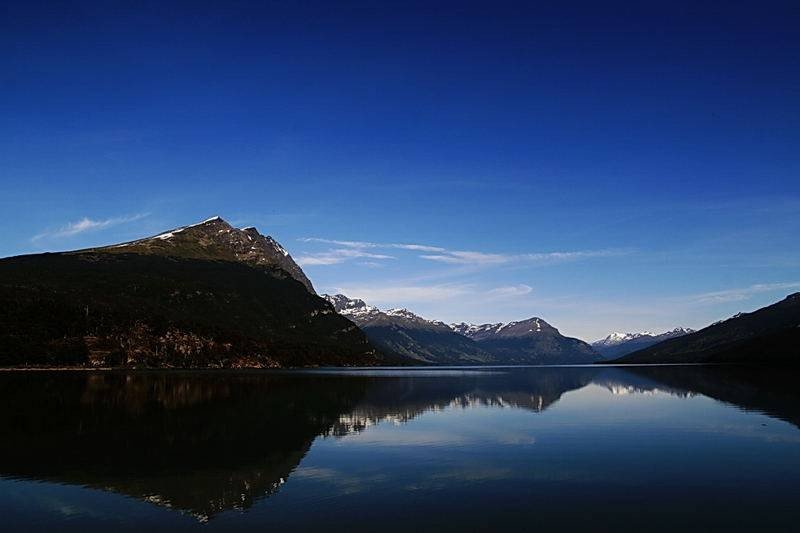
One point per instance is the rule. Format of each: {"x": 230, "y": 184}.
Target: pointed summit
{"x": 216, "y": 239}
{"x": 521, "y": 328}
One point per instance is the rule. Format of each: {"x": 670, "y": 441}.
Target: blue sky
{"x": 606, "y": 167}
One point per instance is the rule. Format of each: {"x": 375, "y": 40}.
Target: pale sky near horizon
{"x": 613, "y": 167}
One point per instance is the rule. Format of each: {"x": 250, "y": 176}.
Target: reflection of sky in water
{"x": 591, "y": 440}
{"x": 601, "y": 449}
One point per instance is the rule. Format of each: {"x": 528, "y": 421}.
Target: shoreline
{"x": 365, "y": 368}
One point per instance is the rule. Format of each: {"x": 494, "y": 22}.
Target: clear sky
{"x": 605, "y": 166}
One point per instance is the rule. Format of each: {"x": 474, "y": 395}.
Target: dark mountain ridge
{"x": 531, "y": 341}
{"x": 196, "y": 298}
{"x": 768, "y": 335}
{"x": 214, "y": 239}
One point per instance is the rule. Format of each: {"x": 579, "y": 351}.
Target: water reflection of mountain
{"x": 198, "y": 442}
{"x": 205, "y": 442}
{"x": 621, "y": 381}
{"x": 402, "y": 399}
{"x": 772, "y": 391}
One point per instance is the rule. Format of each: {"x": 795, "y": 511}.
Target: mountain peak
{"x": 517, "y": 328}
{"x": 405, "y": 334}
{"x": 216, "y": 239}
{"x": 348, "y": 306}
{"x": 361, "y": 313}
{"x": 766, "y": 335}
{"x": 616, "y": 338}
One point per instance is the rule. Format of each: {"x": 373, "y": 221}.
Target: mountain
{"x": 768, "y": 335}
{"x": 619, "y": 344}
{"x": 215, "y": 239}
{"x": 206, "y": 295}
{"x": 531, "y": 341}
{"x": 407, "y": 337}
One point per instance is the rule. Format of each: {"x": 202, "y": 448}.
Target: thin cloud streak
{"x": 467, "y": 257}
{"x": 87, "y": 224}
{"x": 364, "y": 244}
{"x": 479, "y": 258}
{"x": 394, "y": 295}
{"x": 337, "y": 256}
{"x": 742, "y": 293}
{"x": 511, "y": 291}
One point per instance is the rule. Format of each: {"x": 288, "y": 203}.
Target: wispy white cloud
{"x": 371, "y": 264}
{"x": 510, "y": 291}
{"x": 85, "y": 225}
{"x": 474, "y": 258}
{"x": 558, "y": 257}
{"x": 393, "y": 295}
{"x": 337, "y": 256}
{"x": 364, "y": 244}
{"x": 742, "y": 293}
{"x": 403, "y": 294}
{"x": 468, "y": 258}
{"x": 418, "y": 247}
{"x": 542, "y": 258}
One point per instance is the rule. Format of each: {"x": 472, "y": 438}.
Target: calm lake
{"x": 601, "y": 448}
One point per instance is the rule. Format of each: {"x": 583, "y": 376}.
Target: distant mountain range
{"x": 768, "y": 335}
{"x": 619, "y": 344}
{"x": 530, "y": 341}
{"x": 205, "y": 295}
{"x": 405, "y": 335}
{"x": 409, "y": 338}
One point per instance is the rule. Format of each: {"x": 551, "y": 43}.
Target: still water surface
{"x": 605, "y": 448}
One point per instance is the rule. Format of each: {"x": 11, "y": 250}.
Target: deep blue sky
{"x": 607, "y": 166}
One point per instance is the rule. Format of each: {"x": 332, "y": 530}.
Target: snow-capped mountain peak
{"x": 470, "y": 330}
{"x": 403, "y": 312}
{"x": 517, "y": 328}
{"x": 351, "y": 307}
{"x": 361, "y": 313}
{"x": 616, "y": 338}
{"x": 216, "y": 239}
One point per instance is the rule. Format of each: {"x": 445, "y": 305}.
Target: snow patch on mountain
{"x": 616, "y": 338}
{"x": 358, "y": 311}
{"x": 214, "y": 238}
{"x": 517, "y": 328}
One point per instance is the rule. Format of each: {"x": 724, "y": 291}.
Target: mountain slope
{"x": 531, "y": 341}
{"x": 214, "y": 239}
{"x": 768, "y": 335}
{"x": 406, "y": 336}
{"x": 196, "y": 301}
{"x": 619, "y": 344}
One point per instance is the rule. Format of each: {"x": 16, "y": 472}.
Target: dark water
{"x": 665, "y": 448}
